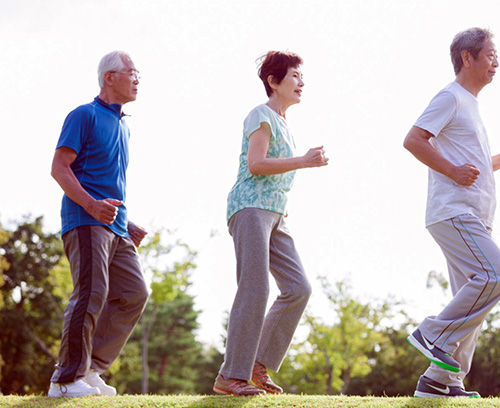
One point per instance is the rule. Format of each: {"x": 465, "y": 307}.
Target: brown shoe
{"x": 233, "y": 386}
{"x": 261, "y": 379}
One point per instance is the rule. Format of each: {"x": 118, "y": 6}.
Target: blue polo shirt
{"x": 99, "y": 135}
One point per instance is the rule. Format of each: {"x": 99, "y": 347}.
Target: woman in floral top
{"x": 255, "y": 212}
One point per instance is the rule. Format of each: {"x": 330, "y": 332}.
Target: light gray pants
{"x": 473, "y": 260}
{"x": 109, "y": 295}
{"x": 262, "y": 244}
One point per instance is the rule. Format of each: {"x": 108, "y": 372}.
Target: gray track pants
{"x": 109, "y": 295}
{"x": 473, "y": 264}
{"x": 262, "y": 244}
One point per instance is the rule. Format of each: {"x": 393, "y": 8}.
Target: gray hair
{"x": 471, "y": 40}
{"x": 110, "y": 62}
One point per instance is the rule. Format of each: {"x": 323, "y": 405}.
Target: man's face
{"x": 126, "y": 82}
{"x": 483, "y": 67}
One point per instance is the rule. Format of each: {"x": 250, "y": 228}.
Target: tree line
{"x": 360, "y": 350}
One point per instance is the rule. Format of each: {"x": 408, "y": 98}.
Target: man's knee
{"x": 140, "y": 296}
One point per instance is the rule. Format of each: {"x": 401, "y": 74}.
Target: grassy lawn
{"x": 272, "y": 401}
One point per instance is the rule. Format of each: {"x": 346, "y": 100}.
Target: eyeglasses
{"x": 132, "y": 74}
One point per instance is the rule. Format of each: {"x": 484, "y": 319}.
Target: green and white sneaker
{"x": 427, "y": 388}
{"x": 434, "y": 354}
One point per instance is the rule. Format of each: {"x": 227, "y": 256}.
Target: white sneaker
{"x": 75, "y": 389}
{"x": 94, "y": 380}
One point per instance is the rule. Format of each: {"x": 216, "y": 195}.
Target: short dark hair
{"x": 277, "y": 63}
{"x": 471, "y": 40}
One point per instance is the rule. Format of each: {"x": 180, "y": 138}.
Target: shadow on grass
{"x": 32, "y": 401}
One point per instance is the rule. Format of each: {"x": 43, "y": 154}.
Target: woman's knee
{"x": 305, "y": 290}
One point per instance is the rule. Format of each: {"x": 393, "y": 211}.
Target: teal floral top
{"x": 267, "y": 192}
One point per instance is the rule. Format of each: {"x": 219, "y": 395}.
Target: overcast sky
{"x": 371, "y": 67}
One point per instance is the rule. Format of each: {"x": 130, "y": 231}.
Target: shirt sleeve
{"x": 75, "y": 129}
{"x": 439, "y": 113}
{"x": 254, "y": 120}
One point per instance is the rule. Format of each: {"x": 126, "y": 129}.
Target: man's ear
{"x": 109, "y": 78}
{"x": 466, "y": 58}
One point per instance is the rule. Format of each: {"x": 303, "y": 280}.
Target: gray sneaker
{"x": 434, "y": 354}
{"x": 75, "y": 389}
{"x": 427, "y": 388}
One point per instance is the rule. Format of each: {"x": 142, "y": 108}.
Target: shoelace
{"x": 239, "y": 385}
{"x": 261, "y": 377}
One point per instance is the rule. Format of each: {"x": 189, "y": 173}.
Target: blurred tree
{"x": 207, "y": 368}
{"x": 32, "y": 310}
{"x": 35, "y": 284}
{"x": 172, "y": 360}
{"x": 173, "y": 350}
{"x": 167, "y": 266}
{"x": 484, "y": 376}
{"x": 396, "y": 366}
{"x": 335, "y": 353}
{"x": 4, "y": 265}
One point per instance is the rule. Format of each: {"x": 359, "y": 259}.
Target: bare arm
{"x": 496, "y": 162}
{"x": 417, "y": 143}
{"x": 258, "y": 163}
{"x": 102, "y": 210}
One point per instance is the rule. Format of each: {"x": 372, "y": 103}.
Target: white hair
{"x": 110, "y": 62}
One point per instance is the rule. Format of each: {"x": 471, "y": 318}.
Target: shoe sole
{"x": 419, "y": 394}
{"x": 220, "y": 391}
{"x": 415, "y": 343}
{"x": 79, "y": 395}
{"x": 268, "y": 390}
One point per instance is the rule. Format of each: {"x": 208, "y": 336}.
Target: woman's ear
{"x": 271, "y": 81}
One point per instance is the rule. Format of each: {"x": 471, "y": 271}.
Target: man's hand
{"x": 136, "y": 233}
{"x": 417, "y": 143}
{"x": 104, "y": 211}
{"x": 465, "y": 175}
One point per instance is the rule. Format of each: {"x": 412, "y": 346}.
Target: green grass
{"x": 271, "y": 401}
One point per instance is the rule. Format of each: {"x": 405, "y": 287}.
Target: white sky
{"x": 371, "y": 67}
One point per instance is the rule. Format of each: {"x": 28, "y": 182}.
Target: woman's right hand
{"x": 315, "y": 157}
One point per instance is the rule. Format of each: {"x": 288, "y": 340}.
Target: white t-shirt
{"x": 460, "y": 137}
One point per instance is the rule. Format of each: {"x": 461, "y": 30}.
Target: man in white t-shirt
{"x": 449, "y": 137}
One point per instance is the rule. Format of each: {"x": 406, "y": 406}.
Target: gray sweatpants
{"x": 109, "y": 295}
{"x": 473, "y": 260}
{"x": 262, "y": 244}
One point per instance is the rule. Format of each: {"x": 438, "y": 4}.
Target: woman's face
{"x": 290, "y": 88}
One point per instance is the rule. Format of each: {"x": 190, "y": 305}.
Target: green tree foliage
{"x": 177, "y": 362}
{"x": 396, "y": 366}
{"x": 172, "y": 360}
{"x": 339, "y": 351}
{"x": 36, "y": 285}
{"x": 4, "y": 265}
{"x": 31, "y": 315}
{"x": 169, "y": 277}
{"x": 173, "y": 351}
{"x": 485, "y": 371}
{"x": 208, "y": 366}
